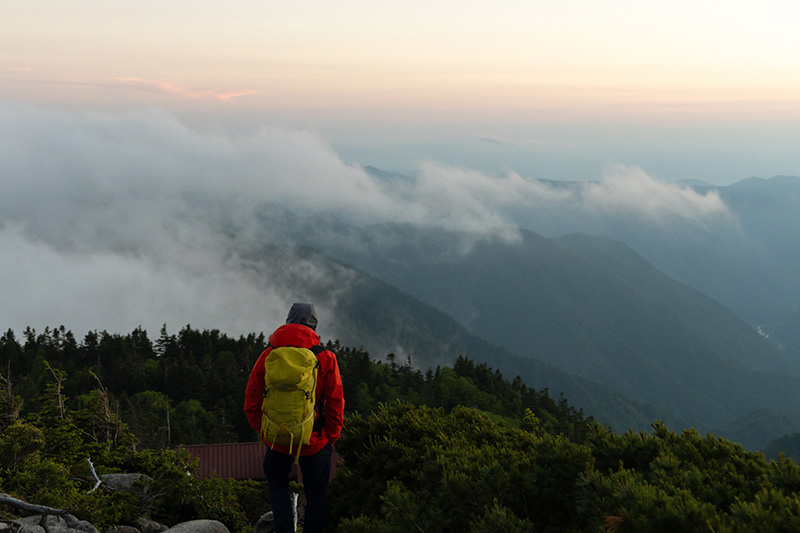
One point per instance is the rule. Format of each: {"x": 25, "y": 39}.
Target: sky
{"x": 130, "y": 132}
{"x": 555, "y": 90}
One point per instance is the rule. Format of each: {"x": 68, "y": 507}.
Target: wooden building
{"x": 239, "y": 460}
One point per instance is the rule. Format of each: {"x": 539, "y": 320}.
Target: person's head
{"x": 304, "y": 314}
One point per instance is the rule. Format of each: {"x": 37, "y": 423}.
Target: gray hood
{"x": 304, "y": 314}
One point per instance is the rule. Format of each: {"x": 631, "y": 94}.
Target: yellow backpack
{"x": 289, "y": 396}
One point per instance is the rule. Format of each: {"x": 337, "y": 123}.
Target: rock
{"x": 84, "y": 526}
{"x": 199, "y": 526}
{"x": 33, "y": 524}
{"x": 122, "y": 529}
{"x": 55, "y": 524}
{"x": 122, "y": 482}
{"x": 25, "y": 528}
{"x": 265, "y": 524}
{"x": 148, "y": 526}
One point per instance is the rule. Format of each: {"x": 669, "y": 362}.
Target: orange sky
{"x": 318, "y": 64}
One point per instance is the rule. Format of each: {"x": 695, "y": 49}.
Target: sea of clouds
{"x": 114, "y": 221}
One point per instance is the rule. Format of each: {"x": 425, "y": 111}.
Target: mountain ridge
{"x": 707, "y": 373}
{"x": 365, "y": 311}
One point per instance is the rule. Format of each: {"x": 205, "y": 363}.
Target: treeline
{"x": 177, "y": 389}
{"x": 493, "y": 456}
{"x": 368, "y": 383}
{"x": 421, "y": 469}
{"x": 187, "y": 388}
{"x": 125, "y": 402}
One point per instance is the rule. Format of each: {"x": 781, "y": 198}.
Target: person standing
{"x": 315, "y": 455}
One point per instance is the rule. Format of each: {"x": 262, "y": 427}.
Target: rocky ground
{"x": 43, "y": 519}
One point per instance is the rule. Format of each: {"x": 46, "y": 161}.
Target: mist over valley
{"x": 639, "y": 299}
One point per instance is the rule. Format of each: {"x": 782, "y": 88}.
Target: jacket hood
{"x": 304, "y": 314}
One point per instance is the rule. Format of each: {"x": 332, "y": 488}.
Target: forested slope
{"x": 188, "y": 388}
{"x": 456, "y": 448}
{"x": 588, "y": 306}
{"x": 365, "y": 311}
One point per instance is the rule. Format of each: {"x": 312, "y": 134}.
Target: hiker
{"x": 314, "y": 455}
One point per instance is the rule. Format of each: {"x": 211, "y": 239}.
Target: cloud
{"x": 115, "y": 221}
{"x": 108, "y": 290}
{"x": 192, "y": 93}
{"x": 627, "y": 189}
{"x": 491, "y": 139}
{"x": 459, "y": 198}
{"x": 467, "y": 200}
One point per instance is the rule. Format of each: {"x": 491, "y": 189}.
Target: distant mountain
{"x": 749, "y": 266}
{"x": 589, "y": 306}
{"x": 757, "y": 430}
{"x": 787, "y": 334}
{"x": 748, "y": 263}
{"x": 765, "y": 287}
{"x": 788, "y": 445}
{"x": 363, "y": 311}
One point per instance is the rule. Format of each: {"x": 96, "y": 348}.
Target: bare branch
{"x": 30, "y": 507}
{"x": 91, "y": 466}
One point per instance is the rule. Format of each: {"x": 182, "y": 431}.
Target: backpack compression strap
{"x": 316, "y": 350}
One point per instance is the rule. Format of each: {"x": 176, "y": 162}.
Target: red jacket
{"x": 329, "y": 387}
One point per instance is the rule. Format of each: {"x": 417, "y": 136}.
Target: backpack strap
{"x": 319, "y": 422}
{"x": 318, "y": 349}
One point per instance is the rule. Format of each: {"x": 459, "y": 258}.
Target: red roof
{"x": 238, "y": 460}
{"x": 241, "y": 460}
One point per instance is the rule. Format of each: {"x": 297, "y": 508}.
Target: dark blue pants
{"x": 316, "y": 470}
